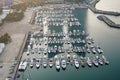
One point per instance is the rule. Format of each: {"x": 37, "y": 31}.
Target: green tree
{"x": 5, "y": 38}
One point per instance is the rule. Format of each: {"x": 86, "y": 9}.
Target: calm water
{"x": 108, "y": 38}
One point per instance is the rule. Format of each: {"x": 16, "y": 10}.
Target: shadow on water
{"x": 58, "y": 70}
{"x": 63, "y": 69}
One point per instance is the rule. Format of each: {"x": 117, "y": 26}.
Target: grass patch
{"x": 5, "y": 38}
{"x": 19, "y": 7}
{"x": 15, "y": 16}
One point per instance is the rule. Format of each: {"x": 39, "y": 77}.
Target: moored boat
{"x": 50, "y": 62}
{"x": 105, "y": 60}
{"x": 95, "y": 62}
{"x": 57, "y": 64}
{"x": 89, "y": 62}
{"x": 63, "y": 63}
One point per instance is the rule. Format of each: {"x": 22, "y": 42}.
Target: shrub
{"x": 5, "y": 38}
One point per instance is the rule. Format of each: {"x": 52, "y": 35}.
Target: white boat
{"x": 51, "y": 62}
{"x": 74, "y": 57}
{"x": 88, "y": 50}
{"x": 89, "y": 62}
{"x": 63, "y": 63}
{"x": 31, "y": 63}
{"x": 94, "y": 51}
{"x": 105, "y": 60}
{"x": 100, "y": 61}
{"x": 82, "y": 63}
{"x": 68, "y": 58}
{"x": 44, "y": 61}
{"x": 57, "y": 64}
{"x": 22, "y": 66}
{"x": 99, "y": 50}
{"x": 76, "y": 63}
{"x": 37, "y": 63}
{"x": 55, "y": 57}
{"x": 62, "y": 56}
{"x": 27, "y": 52}
{"x": 95, "y": 62}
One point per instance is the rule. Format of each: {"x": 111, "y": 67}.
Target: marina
{"x": 50, "y": 48}
{"x": 61, "y": 40}
{"x": 61, "y": 50}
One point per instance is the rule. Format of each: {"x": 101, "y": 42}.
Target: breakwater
{"x": 92, "y": 5}
{"x": 108, "y": 21}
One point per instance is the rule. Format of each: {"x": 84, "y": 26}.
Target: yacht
{"x": 37, "y": 63}
{"x": 31, "y": 63}
{"x": 27, "y": 52}
{"x": 94, "y": 51}
{"x": 99, "y": 50}
{"x": 57, "y": 64}
{"x": 62, "y": 56}
{"x": 63, "y": 63}
{"x": 89, "y": 62}
{"x": 74, "y": 57}
{"x": 22, "y": 66}
{"x": 76, "y": 63}
{"x": 68, "y": 58}
{"x": 50, "y": 62}
{"x": 45, "y": 61}
{"x": 55, "y": 57}
{"x": 95, "y": 62}
{"x": 105, "y": 60}
{"x": 100, "y": 61}
{"x": 88, "y": 50}
{"x": 82, "y": 63}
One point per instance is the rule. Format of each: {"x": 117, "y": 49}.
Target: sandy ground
{"x": 9, "y": 54}
{"x": 17, "y": 31}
